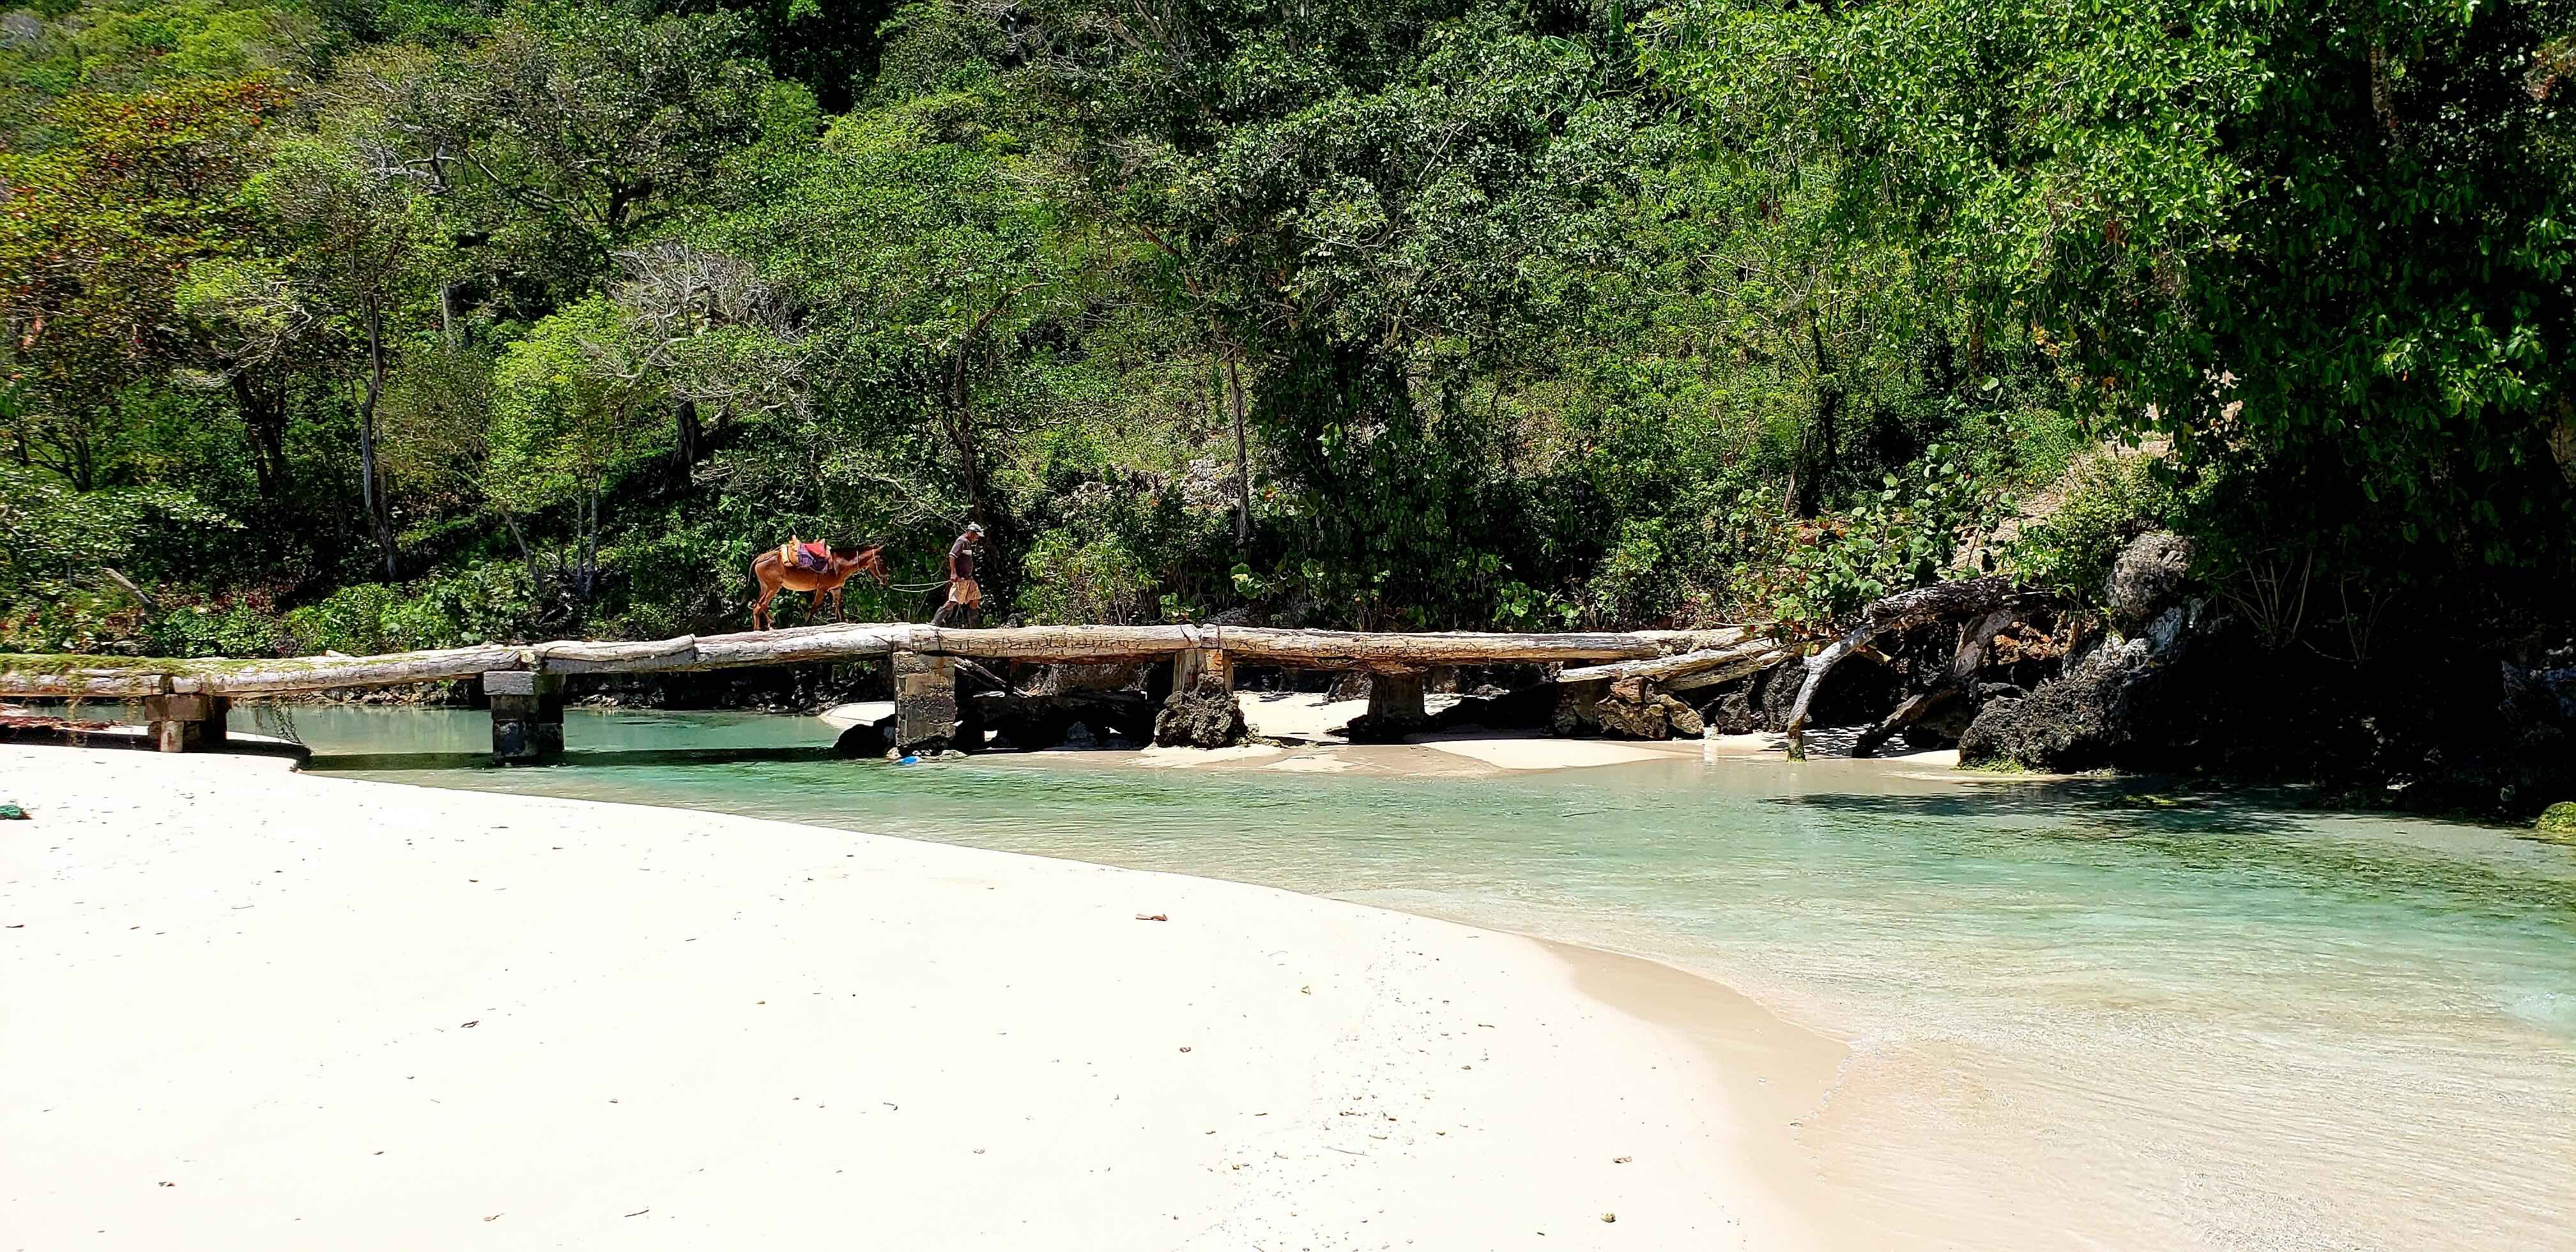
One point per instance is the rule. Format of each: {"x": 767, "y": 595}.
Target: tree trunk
{"x": 960, "y": 419}
{"x": 1816, "y": 445}
{"x": 692, "y": 437}
{"x": 371, "y": 486}
{"x": 526, "y": 557}
{"x": 1894, "y": 613}
{"x": 264, "y": 420}
{"x": 1242, "y": 459}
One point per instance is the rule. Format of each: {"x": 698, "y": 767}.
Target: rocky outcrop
{"x": 1029, "y": 723}
{"x": 2087, "y": 717}
{"x": 1628, "y": 708}
{"x": 2147, "y": 578}
{"x": 1206, "y": 715}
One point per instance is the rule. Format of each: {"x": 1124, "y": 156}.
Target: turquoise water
{"x": 2079, "y": 1017}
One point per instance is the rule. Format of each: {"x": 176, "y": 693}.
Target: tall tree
{"x": 361, "y": 253}
{"x": 2320, "y": 245}
{"x": 570, "y": 133}
{"x": 99, "y": 231}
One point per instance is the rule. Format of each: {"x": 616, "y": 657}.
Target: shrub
{"x": 1072, "y": 581}
{"x": 2103, "y": 502}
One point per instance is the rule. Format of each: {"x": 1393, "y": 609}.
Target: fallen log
{"x": 1896, "y": 612}
{"x": 1704, "y": 668}
{"x": 1402, "y": 653}
{"x": 1954, "y": 683}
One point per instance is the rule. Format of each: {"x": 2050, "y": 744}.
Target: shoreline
{"x": 1678, "y": 1066}
{"x": 1294, "y": 733}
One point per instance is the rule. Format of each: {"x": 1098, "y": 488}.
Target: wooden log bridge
{"x": 186, "y": 699}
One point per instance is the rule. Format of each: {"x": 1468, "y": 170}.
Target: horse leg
{"x": 839, "y": 613}
{"x": 815, "y": 614}
{"x": 760, "y": 607}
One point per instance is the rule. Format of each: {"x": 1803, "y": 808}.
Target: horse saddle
{"x": 811, "y": 555}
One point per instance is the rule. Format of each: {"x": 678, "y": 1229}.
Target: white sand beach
{"x": 251, "y": 1008}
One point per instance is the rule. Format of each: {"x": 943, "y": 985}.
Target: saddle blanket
{"x": 813, "y": 555}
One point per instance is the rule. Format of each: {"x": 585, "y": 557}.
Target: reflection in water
{"x": 2080, "y": 1012}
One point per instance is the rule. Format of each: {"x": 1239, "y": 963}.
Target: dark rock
{"x": 1206, "y": 716}
{"x": 867, "y": 739}
{"x": 2108, "y": 702}
{"x": 1387, "y": 727}
{"x": 1495, "y": 709}
{"x": 1030, "y": 723}
{"x": 1352, "y": 685}
{"x": 1630, "y": 708}
{"x": 1731, "y": 712}
{"x": 2147, "y": 578}
{"x": 1858, "y": 691}
{"x": 1775, "y": 694}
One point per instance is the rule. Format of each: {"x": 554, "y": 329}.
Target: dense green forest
{"x": 381, "y": 324}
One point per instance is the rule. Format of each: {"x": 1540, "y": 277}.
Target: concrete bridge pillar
{"x": 186, "y": 723}
{"x": 1396, "y": 695}
{"x": 527, "y": 716}
{"x": 925, "y": 704}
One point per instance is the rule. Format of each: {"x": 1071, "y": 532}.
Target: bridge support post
{"x": 186, "y": 723}
{"x": 925, "y": 704}
{"x": 1396, "y": 695}
{"x": 1201, "y": 711}
{"x": 1193, "y": 666}
{"x": 527, "y": 716}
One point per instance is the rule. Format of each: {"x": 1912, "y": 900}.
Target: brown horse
{"x": 775, "y": 575}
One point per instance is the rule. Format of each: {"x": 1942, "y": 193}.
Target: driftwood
{"x": 1953, "y": 684}
{"x": 1896, "y": 612}
{"x": 1706, "y": 667}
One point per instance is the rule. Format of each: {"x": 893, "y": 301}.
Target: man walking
{"x": 965, "y": 606}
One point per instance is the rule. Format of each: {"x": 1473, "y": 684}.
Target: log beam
{"x": 79, "y": 677}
